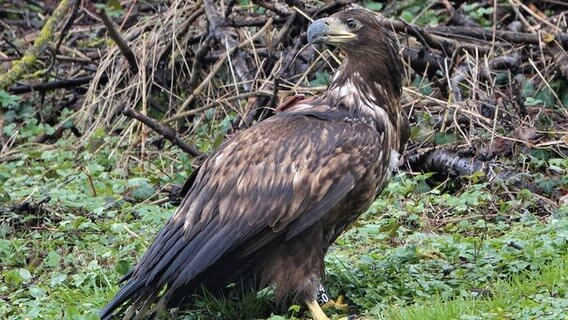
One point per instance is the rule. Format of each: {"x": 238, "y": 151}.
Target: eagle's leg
{"x": 317, "y": 312}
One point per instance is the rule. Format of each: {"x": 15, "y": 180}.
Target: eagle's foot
{"x": 326, "y": 302}
{"x": 338, "y": 304}
{"x": 318, "y": 314}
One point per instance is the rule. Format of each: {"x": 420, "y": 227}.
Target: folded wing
{"x": 278, "y": 177}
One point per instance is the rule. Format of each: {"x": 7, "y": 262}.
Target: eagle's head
{"x": 354, "y": 31}
{"x": 370, "y": 78}
{"x": 369, "y": 47}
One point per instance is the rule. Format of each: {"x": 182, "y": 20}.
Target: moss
{"x": 22, "y": 66}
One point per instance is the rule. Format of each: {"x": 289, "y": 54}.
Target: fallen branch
{"x": 218, "y": 30}
{"x": 26, "y": 207}
{"x": 198, "y": 60}
{"x": 425, "y": 62}
{"x": 217, "y": 66}
{"x": 487, "y": 34}
{"x": 59, "y": 42}
{"x": 215, "y": 103}
{"x": 272, "y": 6}
{"x": 284, "y": 31}
{"x": 20, "y": 67}
{"x": 257, "y": 103}
{"x": 458, "y": 18}
{"x": 219, "y": 33}
{"x": 52, "y": 85}
{"x": 451, "y": 164}
{"x": 67, "y": 27}
{"x": 122, "y": 45}
{"x": 214, "y": 18}
{"x": 422, "y": 35}
{"x": 167, "y": 132}
{"x": 254, "y": 22}
{"x": 329, "y": 7}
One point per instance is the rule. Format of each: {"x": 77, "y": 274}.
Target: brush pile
{"x": 486, "y": 82}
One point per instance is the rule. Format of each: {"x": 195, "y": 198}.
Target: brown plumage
{"x": 264, "y": 208}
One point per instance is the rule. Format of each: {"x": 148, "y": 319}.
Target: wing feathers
{"x": 331, "y": 198}
{"x": 282, "y": 175}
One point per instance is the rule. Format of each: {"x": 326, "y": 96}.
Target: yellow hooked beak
{"x": 330, "y": 31}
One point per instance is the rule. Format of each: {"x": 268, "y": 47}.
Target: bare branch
{"x": 117, "y": 38}
{"x": 166, "y": 132}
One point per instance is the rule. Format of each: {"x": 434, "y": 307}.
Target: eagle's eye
{"x": 352, "y": 24}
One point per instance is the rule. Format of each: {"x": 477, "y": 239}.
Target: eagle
{"x": 264, "y": 208}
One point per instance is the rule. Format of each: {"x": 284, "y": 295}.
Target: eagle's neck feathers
{"x": 367, "y": 94}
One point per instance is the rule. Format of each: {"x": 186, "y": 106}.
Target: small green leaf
{"x": 36, "y": 291}
{"x": 540, "y": 154}
{"x": 143, "y": 193}
{"x": 53, "y": 259}
{"x": 123, "y": 266}
{"x": 527, "y": 88}
{"x": 547, "y": 185}
{"x": 321, "y": 79}
{"x": 57, "y": 279}
{"x": 546, "y": 96}
{"x": 218, "y": 141}
{"x": 294, "y": 308}
{"x": 8, "y": 100}
{"x": 114, "y": 4}
{"x": 24, "y": 274}
{"x": 407, "y": 16}
{"x": 373, "y": 5}
{"x": 12, "y": 277}
{"x": 444, "y": 138}
{"x": 502, "y": 78}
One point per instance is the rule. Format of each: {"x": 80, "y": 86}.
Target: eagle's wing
{"x": 280, "y": 176}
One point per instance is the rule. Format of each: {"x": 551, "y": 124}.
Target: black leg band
{"x": 323, "y": 296}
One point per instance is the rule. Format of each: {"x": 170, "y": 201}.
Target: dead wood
{"x": 217, "y": 66}
{"x": 330, "y": 7}
{"x": 560, "y": 57}
{"x": 167, "y": 132}
{"x": 256, "y": 104}
{"x": 62, "y": 35}
{"x": 487, "y": 35}
{"x": 422, "y": 35}
{"x": 117, "y": 38}
{"x": 228, "y": 39}
{"x": 51, "y": 85}
{"x": 455, "y": 166}
{"x": 198, "y": 55}
{"x": 273, "y": 6}
{"x": 26, "y": 207}
{"x": 23, "y": 66}
{"x": 425, "y": 62}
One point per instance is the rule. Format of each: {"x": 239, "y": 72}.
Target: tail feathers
{"x": 124, "y": 294}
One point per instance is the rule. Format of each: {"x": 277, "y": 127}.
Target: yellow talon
{"x": 339, "y": 304}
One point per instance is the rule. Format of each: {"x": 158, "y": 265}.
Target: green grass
{"x": 418, "y": 253}
{"x": 528, "y": 295}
